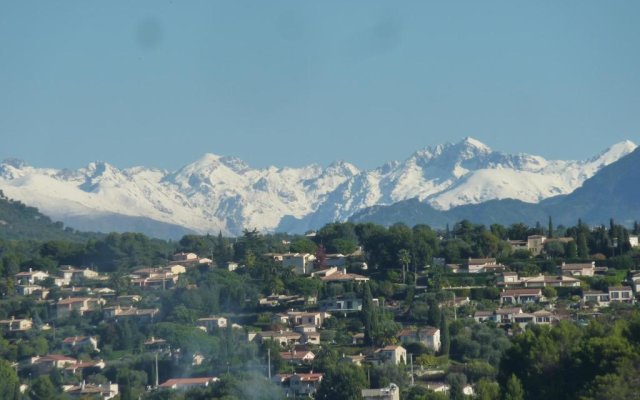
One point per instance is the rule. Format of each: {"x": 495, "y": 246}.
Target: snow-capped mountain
{"x": 224, "y": 193}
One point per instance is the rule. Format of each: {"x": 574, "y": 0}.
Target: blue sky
{"x": 159, "y": 83}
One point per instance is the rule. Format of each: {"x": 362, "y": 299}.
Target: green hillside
{"x": 19, "y": 222}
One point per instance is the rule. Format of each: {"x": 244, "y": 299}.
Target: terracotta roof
{"x": 75, "y": 339}
{"x": 511, "y": 310}
{"x": 72, "y": 300}
{"x": 311, "y": 377}
{"x": 296, "y": 355}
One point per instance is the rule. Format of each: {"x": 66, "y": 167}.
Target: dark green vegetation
{"x": 587, "y": 356}
{"x": 18, "y": 221}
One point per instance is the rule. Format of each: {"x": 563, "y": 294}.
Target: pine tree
{"x": 514, "y": 390}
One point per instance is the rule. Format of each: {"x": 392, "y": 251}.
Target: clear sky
{"x": 159, "y": 83}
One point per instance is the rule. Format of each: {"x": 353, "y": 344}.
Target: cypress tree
{"x": 445, "y": 339}
{"x": 368, "y": 315}
{"x": 583, "y": 249}
{"x": 550, "y": 235}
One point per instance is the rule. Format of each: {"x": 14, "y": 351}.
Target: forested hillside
{"x": 19, "y": 221}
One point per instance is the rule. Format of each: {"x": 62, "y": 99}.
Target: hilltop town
{"x": 354, "y": 311}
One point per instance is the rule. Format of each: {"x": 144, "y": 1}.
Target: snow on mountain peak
{"x": 15, "y": 163}
{"x": 613, "y": 153}
{"x": 471, "y": 142}
{"x": 343, "y": 167}
{"x": 224, "y": 193}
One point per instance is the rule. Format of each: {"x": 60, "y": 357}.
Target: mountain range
{"x": 217, "y": 193}
{"x": 613, "y": 192}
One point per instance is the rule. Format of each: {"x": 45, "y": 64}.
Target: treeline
{"x": 566, "y": 362}
{"x": 382, "y": 247}
{"x": 21, "y": 222}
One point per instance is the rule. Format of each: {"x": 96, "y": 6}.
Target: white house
{"x": 392, "y": 392}
{"x": 428, "y": 336}
{"x": 302, "y": 263}
{"x": 395, "y": 354}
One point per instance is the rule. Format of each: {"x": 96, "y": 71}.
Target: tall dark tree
{"x": 321, "y": 257}
{"x": 9, "y": 384}
{"x": 222, "y": 252}
{"x": 369, "y": 315}
{"x": 571, "y": 250}
{"x": 445, "y": 337}
{"x": 550, "y": 229}
{"x": 583, "y": 248}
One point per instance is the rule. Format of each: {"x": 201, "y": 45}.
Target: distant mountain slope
{"x": 225, "y": 194}
{"x": 18, "y": 221}
{"x": 613, "y": 192}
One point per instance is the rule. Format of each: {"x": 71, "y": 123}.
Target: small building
{"x": 297, "y": 357}
{"x": 283, "y": 337}
{"x": 31, "y": 276}
{"x": 50, "y": 361}
{"x": 79, "y": 342}
{"x": 392, "y": 392}
{"x": 71, "y": 274}
{"x": 508, "y": 277}
{"x": 578, "y": 269}
{"x": 302, "y": 263}
{"x": 521, "y": 296}
{"x": 394, "y": 354}
{"x": 428, "y": 336}
{"x": 518, "y": 245}
{"x": 32, "y": 290}
{"x": 187, "y": 383}
{"x": 535, "y": 244}
{"x": 305, "y": 385}
{"x": 344, "y": 277}
{"x": 311, "y": 338}
{"x": 480, "y": 265}
{"x": 212, "y": 323}
{"x": 623, "y": 294}
{"x": 16, "y": 324}
{"x": 154, "y": 343}
{"x": 64, "y": 307}
{"x": 91, "y": 391}
{"x": 506, "y": 315}
{"x": 596, "y": 298}
{"x": 482, "y": 316}
{"x": 541, "y": 281}
{"x": 341, "y": 304}
{"x": 140, "y": 314}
